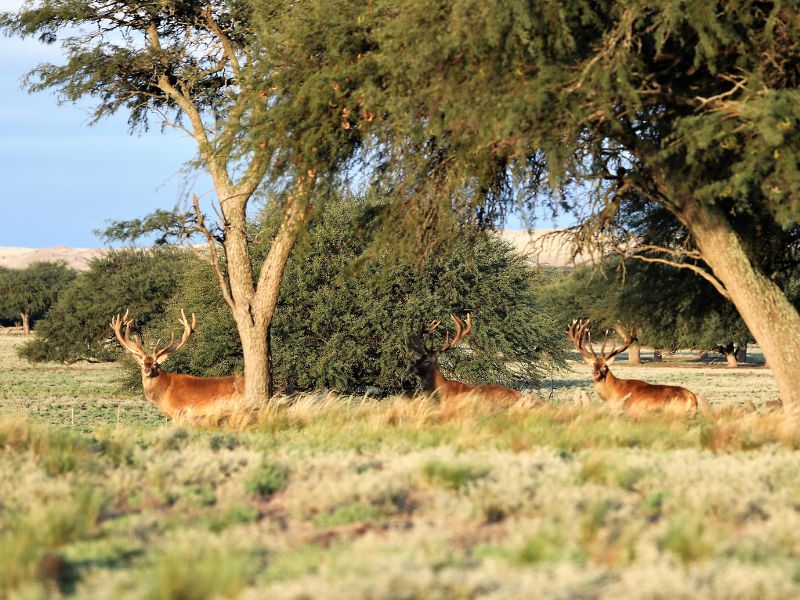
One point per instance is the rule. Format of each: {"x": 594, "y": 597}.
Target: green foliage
{"x": 346, "y": 309}
{"x": 33, "y": 290}
{"x": 268, "y": 479}
{"x": 346, "y": 514}
{"x": 584, "y": 107}
{"x": 453, "y": 476}
{"x": 662, "y": 306}
{"x": 77, "y": 327}
{"x": 124, "y": 72}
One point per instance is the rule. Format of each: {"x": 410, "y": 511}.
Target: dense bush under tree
{"x": 346, "y": 310}
{"x": 661, "y": 306}
{"x": 27, "y": 294}
{"x": 77, "y": 326}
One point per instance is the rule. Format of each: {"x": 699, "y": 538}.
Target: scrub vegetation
{"x": 326, "y": 496}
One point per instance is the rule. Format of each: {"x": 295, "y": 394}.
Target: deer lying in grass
{"x": 426, "y": 367}
{"x": 174, "y": 393}
{"x": 631, "y": 393}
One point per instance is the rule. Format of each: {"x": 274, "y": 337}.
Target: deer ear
{"x": 588, "y": 361}
{"x": 610, "y": 361}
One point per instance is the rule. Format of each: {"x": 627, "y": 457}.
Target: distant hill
{"x": 543, "y": 245}
{"x": 19, "y": 258}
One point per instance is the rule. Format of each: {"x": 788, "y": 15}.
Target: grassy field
{"x": 349, "y": 498}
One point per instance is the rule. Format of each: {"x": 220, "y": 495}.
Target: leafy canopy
{"x": 32, "y": 290}
{"x": 77, "y": 326}
{"x": 345, "y": 311}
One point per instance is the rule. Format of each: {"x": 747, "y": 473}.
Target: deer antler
{"x": 577, "y": 332}
{"x": 416, "y": 341}
{"x": 582, "y": 338}
{"x": 172, "y": 346}
{"x": 614, "y": 350}
{"x": 133, "y": 346}
{"x": 462, "y": 330}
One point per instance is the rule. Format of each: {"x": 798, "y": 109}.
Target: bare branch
{"x": 738, "y": 83}
{"x": 213, "y": 253}
{"x": 677, "y": 252}
{"x": 227, "y": 45}
{"x": 199, "y": 133}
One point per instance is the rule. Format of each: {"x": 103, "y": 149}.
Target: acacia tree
{"x": 346, "y": 311}
{"x": 693, "y": 106}
{"x": 187, "y": 64}
{"x": 30, "y": 292}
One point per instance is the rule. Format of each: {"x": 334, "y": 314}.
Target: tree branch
{"x": 213, "y": 254}
{"x": 227, "y": 45}
{"x": 218, "y": 173}
{"x": 682, "y": 265}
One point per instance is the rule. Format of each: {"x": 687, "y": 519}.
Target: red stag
{"x": 174, "y": 393}
{"x": 426, "y": 367}
{"x": 631, "y": 392}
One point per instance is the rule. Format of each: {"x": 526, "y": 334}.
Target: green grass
{"x": 327, "y": 498}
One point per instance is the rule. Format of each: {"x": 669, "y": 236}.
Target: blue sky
{"x": 60, "y": 179}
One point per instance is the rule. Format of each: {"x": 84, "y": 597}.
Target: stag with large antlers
{"x": 426, "y": 367}
{"x": 631, "y": 393}
{"x": 174, "y": 393}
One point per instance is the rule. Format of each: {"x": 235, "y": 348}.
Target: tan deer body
{"x": 176, "y": 393}
{"x": 631, "y": 393}
{"x": 448, "y": 391}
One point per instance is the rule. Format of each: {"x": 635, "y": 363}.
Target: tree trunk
{"x": 741, "y": 352}
{"x": 254, "y": 303}
{"x": 271, "y": 275}
{"x": 26, "y": 323}
{"x": 626, "y": 332}
{"x": 770, "y": 317}
{"x": 728, "y": 350}
{"x": 256, "y": 356}
{"x": 634, "y": 354}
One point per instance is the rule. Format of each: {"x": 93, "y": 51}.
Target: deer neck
{"x": 156, "y": 388}
{"x": 608, "y": 387}
{"x": 433, "y": 380}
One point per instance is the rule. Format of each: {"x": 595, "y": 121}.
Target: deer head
{"x": 578, "y": 332}
{"x": 150, "y": 362}
{"x": 427, "y": 358}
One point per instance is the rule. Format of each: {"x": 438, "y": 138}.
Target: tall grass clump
{"x": 57, "y": 450}
{"x": 29, "y": 543}
{"x": 267, "y": 479}
{"x": 688, "y": 537}
{"x": 455, "y": 477}
{"x": 197, "y": 569}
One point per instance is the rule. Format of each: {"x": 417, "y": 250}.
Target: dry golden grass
{"x": 323, "y": 496}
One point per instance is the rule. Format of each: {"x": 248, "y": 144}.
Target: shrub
{"x": 77, "y": 326}
{"x": 346, "y": 309}
{"x": 453, "y": 476}
{"x": 266, "y": 480}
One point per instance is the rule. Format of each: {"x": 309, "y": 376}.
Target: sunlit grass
{"x": 325, "y": 496}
